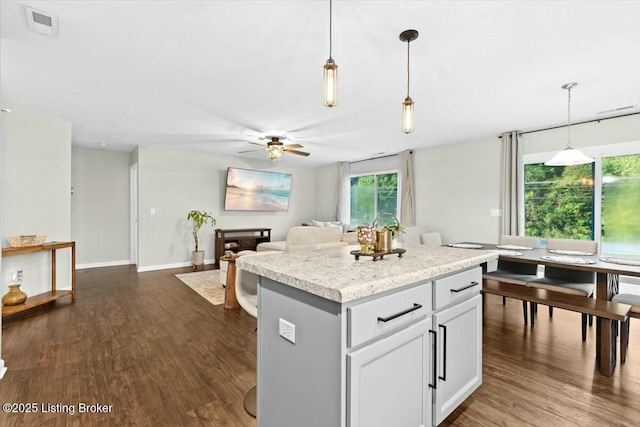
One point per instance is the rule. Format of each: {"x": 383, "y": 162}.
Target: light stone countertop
{"x": 335, "y": 274}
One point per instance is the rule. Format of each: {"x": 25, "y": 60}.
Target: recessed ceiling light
{"x": 103, "y": 144}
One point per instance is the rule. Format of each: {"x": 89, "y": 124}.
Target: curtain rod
{"x": 573, "y": 124}
{"x": 375, "y": 158}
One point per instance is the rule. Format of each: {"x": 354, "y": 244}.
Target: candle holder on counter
{"x": 366, "y": 238}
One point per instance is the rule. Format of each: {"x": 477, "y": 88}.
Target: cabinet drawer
{"x": 373, "y": 318}
{"x": 458, "y": 287}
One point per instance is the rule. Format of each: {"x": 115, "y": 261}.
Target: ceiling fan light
{"x": 407, "y": 115}
{"x": 569, "y": 157}
{"x": 330, "y": 83}
{"x": 274, "y": 152}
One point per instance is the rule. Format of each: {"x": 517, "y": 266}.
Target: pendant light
{"x": 330, "y": 71}
{"x": 569, "y": 156}
{"x": 407, "y": 106}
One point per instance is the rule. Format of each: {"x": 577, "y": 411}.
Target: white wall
{"x": 326, "y": 193}
{"x": 611, "y": 131}
{"x": 173, "y": 182}
{"x": 100, "y": 207}
{"x": 3, "y": 369}
{"x": 36, "y": 199}
{"x": 456, "y": 187}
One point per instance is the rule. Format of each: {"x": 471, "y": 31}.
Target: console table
{"x": 54, "y": 294}
{"x": 240, "y": 238}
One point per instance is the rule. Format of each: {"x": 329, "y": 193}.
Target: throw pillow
{"x": 317, "y": 223}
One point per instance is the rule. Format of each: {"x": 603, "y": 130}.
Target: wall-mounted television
{"x": 254, "y": 190}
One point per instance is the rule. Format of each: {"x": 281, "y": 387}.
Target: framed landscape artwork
{"x": 254, "y": 190}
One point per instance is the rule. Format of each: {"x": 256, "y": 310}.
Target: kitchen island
{"x": 346, "y": 342}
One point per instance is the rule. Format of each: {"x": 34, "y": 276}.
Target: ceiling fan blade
{"x": 249, "y": 151}
{"x": 299, "y": 153}
{"x": 255, "y": 143}
{"x": 293, "y": 146}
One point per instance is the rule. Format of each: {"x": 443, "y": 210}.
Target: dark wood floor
{"x": 161, "y": 355}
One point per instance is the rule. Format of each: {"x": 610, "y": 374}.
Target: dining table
{"x": 608, "y": 269}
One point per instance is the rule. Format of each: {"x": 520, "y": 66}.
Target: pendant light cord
{"x": 330, "y": 26}
{"x": 407, "y": 69}
{"x": 569, "y": 120}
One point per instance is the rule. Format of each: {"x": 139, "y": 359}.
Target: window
{"x": 620, "y": 223}
{"x": 371, "y": 195}
{"x": 558, "y": 201}
{"x": 598, "y": 201}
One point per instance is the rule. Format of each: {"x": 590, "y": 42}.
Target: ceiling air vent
{"x": 41, "y": 23}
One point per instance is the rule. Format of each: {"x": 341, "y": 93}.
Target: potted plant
{"x": 199, "y": 219}
{"x": 395, "y": 229}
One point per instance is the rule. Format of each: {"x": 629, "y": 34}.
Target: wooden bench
{"x": 584, "y": 305}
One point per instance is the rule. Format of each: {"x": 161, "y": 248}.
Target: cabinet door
{"x": 458, "y": 355}
{"x": 388, "y": 381}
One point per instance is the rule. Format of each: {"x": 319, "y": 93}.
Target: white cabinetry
{"x": 388, "y": 380}
{"x": 406, "y": 357}
{"x": 458, "y": 355}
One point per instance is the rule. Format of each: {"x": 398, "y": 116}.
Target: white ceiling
{"x": 213, "y": 75}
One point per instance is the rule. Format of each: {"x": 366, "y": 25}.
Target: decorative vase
{"x": 198, "y": 259}
{"x": 15, "y": 296}
{"x": 383, "y": 241}
{"x": 366, "y": 238}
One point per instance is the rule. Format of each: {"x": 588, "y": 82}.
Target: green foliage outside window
{"x": 372, "y": 194}
{"x": 621, "y": 200}
{"x": 559, "y": 202}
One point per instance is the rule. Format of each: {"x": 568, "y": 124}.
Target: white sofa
{"x": 298, "y": 238}
{"x": 307, "y": 238}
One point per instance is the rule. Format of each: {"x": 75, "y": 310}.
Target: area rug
{"x": 206, "y": 283}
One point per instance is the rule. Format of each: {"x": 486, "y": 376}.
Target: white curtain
{"x": 511, "y": 185}
{"x": 407, "y": 198}
{"x": 343, "y": 193}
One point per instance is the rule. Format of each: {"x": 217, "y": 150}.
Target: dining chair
{"x": 432, "y": 238}
{"x": 568, "y": 281}
{"x": 634, "y": 301}
{"x": 516, "y": 273}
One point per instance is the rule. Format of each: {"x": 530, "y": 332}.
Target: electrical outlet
{"x": 288, "y": 331}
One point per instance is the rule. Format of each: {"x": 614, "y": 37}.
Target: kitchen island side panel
{"x": 303, "y": 381}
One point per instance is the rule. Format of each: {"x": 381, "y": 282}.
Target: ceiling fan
{"x": 275, "y": 148}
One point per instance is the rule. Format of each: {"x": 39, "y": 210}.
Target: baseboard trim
{"x": 103, "y": 264}
{"x": 2, "y": 368}
{"x": 168, "y": 266}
